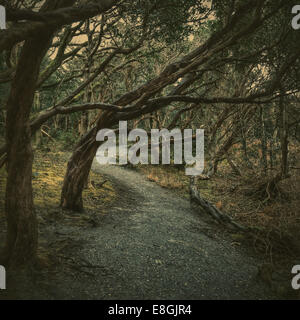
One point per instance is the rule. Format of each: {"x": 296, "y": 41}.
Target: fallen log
{"x": 210, "y": 209}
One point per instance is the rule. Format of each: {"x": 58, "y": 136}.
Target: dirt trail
{"x": 151, "y": 245}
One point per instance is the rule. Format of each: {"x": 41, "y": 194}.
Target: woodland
{"x": 69, "y": 68}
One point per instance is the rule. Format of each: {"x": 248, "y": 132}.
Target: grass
{"x": 48, "y": 174}
{"x": 47, "y": 180}
{"x": 166, "y": 177}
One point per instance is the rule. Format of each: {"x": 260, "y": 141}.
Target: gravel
{"x": 153, "y": 245}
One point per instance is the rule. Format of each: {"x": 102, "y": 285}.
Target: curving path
{"x": 155, "y": 247}
{"x": 152, "y": 245}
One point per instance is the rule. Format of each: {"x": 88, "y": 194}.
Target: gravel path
{"x": 152, "y": 245}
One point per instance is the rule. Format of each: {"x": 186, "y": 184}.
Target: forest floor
{"x": 135, "y": 240}
{"x": 276, "y": 218}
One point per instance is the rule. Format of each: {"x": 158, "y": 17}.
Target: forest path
{"x": 149, "y": 245}
{"x": 152, "y": 246}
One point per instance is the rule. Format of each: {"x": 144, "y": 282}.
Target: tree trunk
{"x": 272, "y": 148}
{"x": 233, "y": 165}
{"x": 85, "y": 118}
{"x": 77, "y": 173}
{"x": 79, "y": 167}
{"x": 22, "y": 232}
{"x": 263, "y": 140}
{"x": 245, "y": 148}
{"x": 283, "y": 140}
{"x": 36, "y": 108}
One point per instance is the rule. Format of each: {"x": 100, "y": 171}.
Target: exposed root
{"x": 267, "y": 189}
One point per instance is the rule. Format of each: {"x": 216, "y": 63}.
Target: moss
{"x": 47, "y": 179}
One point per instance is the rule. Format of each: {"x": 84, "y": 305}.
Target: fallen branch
{"x": 209, "y": 208}
{"x": 98, "y": 185}
{"x": 48, "y": 135}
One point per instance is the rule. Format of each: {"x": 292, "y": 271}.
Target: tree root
{"x": 267, "y": 189}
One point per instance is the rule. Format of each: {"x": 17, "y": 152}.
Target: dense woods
{"x": 70, "y": 68}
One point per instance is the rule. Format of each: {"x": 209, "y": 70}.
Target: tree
{"x": 121, "y": 34}
{"x": 242, "y": 23}
{"x": 22, "y": 234}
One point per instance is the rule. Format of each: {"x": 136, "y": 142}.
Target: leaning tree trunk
{"x": 79, "y": 167}
{"x": 77, "y": 173}
{"x": 22, "y": 233}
